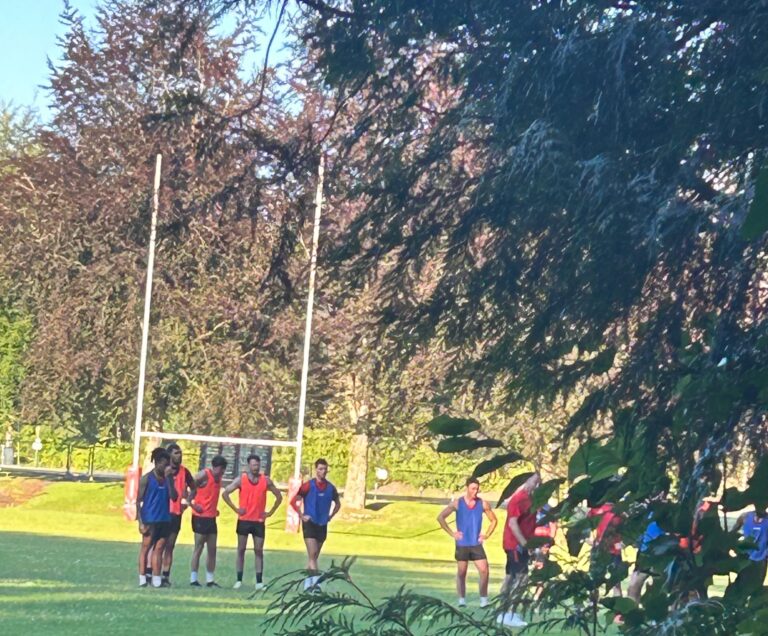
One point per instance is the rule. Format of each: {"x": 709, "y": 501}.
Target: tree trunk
{"x": 354, "y": 489}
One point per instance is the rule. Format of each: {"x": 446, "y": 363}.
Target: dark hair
{"x": 472, "y": 480}
{"x": 173, "y": 446}
{"x": 219, "y": 460}
{"x": 160, "y": 453}
{"x": 320, "y": 462}
{"x": 253, "y": 456}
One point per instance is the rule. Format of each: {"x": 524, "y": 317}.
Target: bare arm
{"x": 171, "y": 485}
{"x": 278, "y": 498}
{"x": 201, "y": 479}
{"x": 235, "y": 485}
{"x": 140, "y": 499}
{"x": 493, "y": 521}
{"x": 336, "y": 504}
{"x": 442, "y": 519}
{"x": 295, "y": 500}
{"x": 739, "y": 522}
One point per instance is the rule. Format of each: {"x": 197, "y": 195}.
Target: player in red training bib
{"x": 251, "y": 515}
{"x": 520, "y": 526}
{"x": 205, "y": 509}
{"x": 185, "y": 487}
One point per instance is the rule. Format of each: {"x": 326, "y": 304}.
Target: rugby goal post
{"x": 134, "y": 472}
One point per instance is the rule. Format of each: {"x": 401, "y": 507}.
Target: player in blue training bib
{"x": 318, "y": 495}
{"x": 469, "y": 537}
{"x": 754, "y": 526}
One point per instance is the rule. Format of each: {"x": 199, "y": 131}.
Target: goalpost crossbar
{"x": 218, "y": 440}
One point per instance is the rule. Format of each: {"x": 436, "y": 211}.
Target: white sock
{"x": 208, "y": 577}
{"x": 307, "y": 582}
{"x": 142, "y": 579}
{"x": 462, "y": 600}
{"x": 156, "y": 580}
{"x": 193, "y": 576}
{"x": 483, "y": 601}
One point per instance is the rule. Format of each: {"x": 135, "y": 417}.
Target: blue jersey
{"x": 155, "y": 505}
{"x": 317, "y": 502}
{"x": 757, "y": 530}
{"x": 469, "y": 521}
{"x": 653, "y": 531}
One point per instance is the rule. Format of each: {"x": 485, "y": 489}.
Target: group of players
{"x": 525, "y": 522}
{"x": 170, "y": 488}
{"x": 167, "y": 490}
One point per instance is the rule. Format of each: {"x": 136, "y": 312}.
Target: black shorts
{"x": 204, "y": 525}
{"x": 158, "y": 530}
{"x": 470, "y": 553}
{"x": 517, "y": 562}
{"x": 175, "y": 523}
{"x": 255, "y": 528}
{"x": 312, "y": 530}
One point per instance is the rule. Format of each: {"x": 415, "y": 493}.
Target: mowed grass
{"x": 68, "y": 565}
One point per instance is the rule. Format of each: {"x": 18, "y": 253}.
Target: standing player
{"x": 251, "y": 515}
{"x": 185, "y": 486}
{"x": 205, "y": 509}
{"x": 520, "y": 526}
{"x": 754, "y": 526}
{"x": 469, "y": 538}
{"x": 607, "y": 538}
{"x": 317, "y": 496}
{"x": 156, "y": 490}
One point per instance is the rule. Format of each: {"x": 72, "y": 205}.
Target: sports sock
{"x": 156, "y": 581}
{"x": 208, "y": 577}
{"x": 167, "y": 574}
{"x": 240, "y": 575}
{"x": 142, "y": 579}
{"x": 193, "y": 576}
{"x": 147, "y": 572}
{"x": 259, "y": 576}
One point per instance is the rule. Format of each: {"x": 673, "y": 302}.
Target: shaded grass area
{"x": 69, "y": 565}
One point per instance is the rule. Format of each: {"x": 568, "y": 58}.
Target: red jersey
{"x": 208, "y": 497}
{"x": 182, "y": 480}
{"x": 519, "y": 506}
{"x": 606, "y": 527}
{"x": 253, "y": 497}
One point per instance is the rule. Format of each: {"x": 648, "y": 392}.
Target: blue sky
{"x": 28, "y": 31}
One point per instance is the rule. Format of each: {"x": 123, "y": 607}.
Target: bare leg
{"x": 210, "y": 562}
{"x": 258, "y": 554}
{"x": 636, "y": 582}
{"x": 197, "y": 551}
{"x": 170, "y": 544}
{"x": 313, "y": 553}
{"x": 482, "y": 570}
{"x": 146, "y": 541}
{"x": 157, "y": 558}
{"x": 461, "y": 578}
{"x": 242, "y": 545}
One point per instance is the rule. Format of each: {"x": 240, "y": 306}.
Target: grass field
{"x": 68, "y": 564}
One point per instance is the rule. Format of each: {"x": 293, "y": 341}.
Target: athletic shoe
{"x": 212, "y": 584}
{"x": 195, "y": 584}
{"x": 462, "y": 602}
{"x": 145, "y": 584}
{"x": 260, "y": 587}
{"x": 483, "y": 602}
{"x": 510, "y": 619}
{"x": 165, "y": 583}
{"x": 237, "y": 585}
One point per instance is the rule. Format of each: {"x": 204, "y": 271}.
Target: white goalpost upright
{"x": 139, "y": 431}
